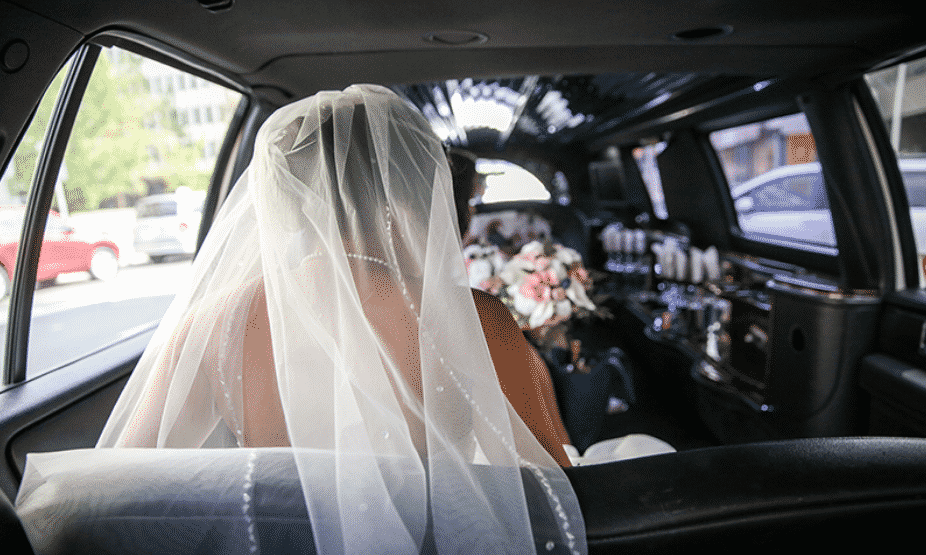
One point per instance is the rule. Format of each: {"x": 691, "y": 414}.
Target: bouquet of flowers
{"x": 542, "y": 285}
{"x": 483, "y": 263}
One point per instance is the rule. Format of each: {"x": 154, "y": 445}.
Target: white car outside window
{"x": 791, "y": 203}
{"x": 168, "y": 224}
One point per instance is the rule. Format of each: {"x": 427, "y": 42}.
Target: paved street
{"x": 78, "y": 315}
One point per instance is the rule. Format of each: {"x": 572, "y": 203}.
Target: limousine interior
{"x": 786, "y": 363}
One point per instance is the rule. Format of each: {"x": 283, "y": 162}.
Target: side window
{"x": 15, "y": 184}
{"x": 915, "y": 184}
{"x": 506, "y": 181}
{"x": 775, "y": 180}
{"x": 792, "y": 193}
{"x": 113, "y": 255}
{"x": 898, "y": 91}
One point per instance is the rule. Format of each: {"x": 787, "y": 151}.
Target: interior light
{"x": 702, "y": 33}
{"x": 456, "y": 38}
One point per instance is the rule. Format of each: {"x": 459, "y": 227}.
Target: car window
{"x": 15, "y": 184}
{"x": 128, "y": 143}
{"x": 898, "y": 91}
{"x": 775, "y": 180}
{"x": 803, "y": 191}
{"x": 915, "y": 184}
{"x": 156, "y": 209}
{"x": 506, "y": 181}
{"x": 56, "y": 225}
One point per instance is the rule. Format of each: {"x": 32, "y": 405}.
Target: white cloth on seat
{"x": 630, "y": 446}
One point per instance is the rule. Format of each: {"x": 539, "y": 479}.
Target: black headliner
{"x": 284, "y": 49}
{"x": 267, "y": 40}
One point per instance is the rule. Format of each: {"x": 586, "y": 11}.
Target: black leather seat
{"x": 159, "y": 506}
{"x": 838, "y": 493}
{"x": 12, "y": 536}
{"x": 809, "y": 494}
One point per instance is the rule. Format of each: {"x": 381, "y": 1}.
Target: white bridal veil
{"x": 345, "y": 223}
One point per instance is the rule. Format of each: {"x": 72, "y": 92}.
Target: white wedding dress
{"x": 384, "y": 386}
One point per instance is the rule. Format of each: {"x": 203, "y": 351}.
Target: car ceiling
{"x": 579, "y": 71}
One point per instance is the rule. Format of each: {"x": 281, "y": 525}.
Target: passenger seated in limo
{"x": 329, "y": 313}
{"x": 582, "y": 396}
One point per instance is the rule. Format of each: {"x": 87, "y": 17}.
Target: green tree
{"x": 124, "y": 135}
{"x": 25, "y": 159}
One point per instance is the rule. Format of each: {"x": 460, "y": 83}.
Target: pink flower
{"x": 539, "y": 286}
{"x": 492, "y": 285}
{"x": 535, "y": 288}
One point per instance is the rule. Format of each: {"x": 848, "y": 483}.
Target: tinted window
{"x": 777, "y": 187}
{"x": 799, "y": 192}
{"x": 915, "y": 183}
{"x": 126, "y": 143}
{"x": 898, "y": 91}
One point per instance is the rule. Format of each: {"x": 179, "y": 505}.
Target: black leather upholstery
{"x": 842, "y": 493}
{"x": 832, "y": 494}
{"x": 13, "y": 538}
{"x": 199, "y": 508}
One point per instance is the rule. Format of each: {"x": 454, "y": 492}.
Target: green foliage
{"x": 26, "y": 156}
{"x": 123, "y": 137}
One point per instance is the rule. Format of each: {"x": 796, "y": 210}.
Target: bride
{"x": 330, "y": 313}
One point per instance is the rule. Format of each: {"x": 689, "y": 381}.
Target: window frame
{"x": 892, "y": 179}
{"x": 36, "y": 213}
{"x": 853, "y": 151}
{"x": 812, "y": 257}
{"x": 41, "y": 194}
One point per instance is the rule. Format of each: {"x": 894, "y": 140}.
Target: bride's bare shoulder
{"x": 497, "y": 321}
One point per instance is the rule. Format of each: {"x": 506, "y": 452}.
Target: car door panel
{"x": 826, "y": 493}
{"x": 75, "y": 426}
{"x": 65, "y": 408}
{"x": 893, "y": 375}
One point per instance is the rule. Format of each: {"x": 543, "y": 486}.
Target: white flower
{"x": 482, "y": 262}
{"x": 563, "y": 308}
{"x": 480, "y": 270}
{"x": 576, "y": 294}
{"x": 560, "y": 270}
{"x": 534, "y": 247}
{"x": 515, "y": 270}
{"x": 541, "y": 314}
{"x": 524, "y": 305}
{"x": 567, "y": 256}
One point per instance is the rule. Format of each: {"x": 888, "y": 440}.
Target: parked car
{"x": 64, "y": 250}
{"x": 168, "y": 224}
{"x": 791, "y": 202}
{"x": 793, "y": 385}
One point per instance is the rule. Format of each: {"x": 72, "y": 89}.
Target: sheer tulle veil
{"x": 345, "y": 223}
